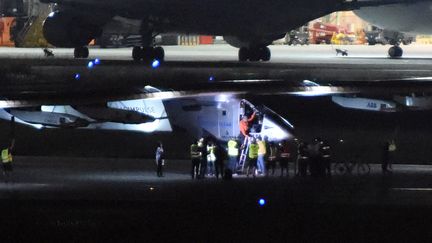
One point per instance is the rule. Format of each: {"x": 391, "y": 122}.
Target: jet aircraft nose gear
{"x": 254, "y": 54}
{"x": 148, "y": 54}
{"x": 395, "y": 51}
{"x": 81, "y": 52}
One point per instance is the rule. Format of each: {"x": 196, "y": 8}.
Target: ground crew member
{"x": 284, "y": 158}
{"x": 388, "y": 150}
{"x": 233, "y": 152}
{"x": 160, "y": 159}
{"x": 252, "y": 157}
{"x": 219, "y": 162}
{"x": 244, "y": 125}
{"x": 325, "y": 157}
{"x": 202, "y": 147}
{"x": 195, "y": 158}
{"x": 7, "y": 160}
{"x": 303, "y": 159}
{"x": 272, "y": 158}
{"x": 211, "y": 158}
{"x": 262, "y": 151}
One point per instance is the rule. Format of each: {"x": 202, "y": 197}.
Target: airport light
{"x": 155, "y": 64}
{"x": 77, "y": 76}
{"x": 211, "y": 78}
{"x": 261, "y": 202}
{"x": 97, "y": 61}
{"x": 90, "y": 64}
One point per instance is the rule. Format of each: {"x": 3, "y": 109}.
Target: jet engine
{"x": 72, "y": 28}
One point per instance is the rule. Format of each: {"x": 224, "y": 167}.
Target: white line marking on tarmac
{"x": 413, "y": 189}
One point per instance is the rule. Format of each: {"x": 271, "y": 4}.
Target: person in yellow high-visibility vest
{"x": 6, "y": 156}
{"x": 233, "y": 152}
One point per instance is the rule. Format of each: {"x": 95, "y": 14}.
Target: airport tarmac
{"x": 112, "y": 200}
{"x": 358, "y": 54}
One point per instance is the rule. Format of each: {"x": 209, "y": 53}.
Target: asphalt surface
{"x": 121, "y": 200}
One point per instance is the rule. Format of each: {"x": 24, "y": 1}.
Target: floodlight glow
{"x": 262, "y": 202}
{"x": 50, "y": 15}
{"x": 90, "y": 64}
{"x": 155, "y": 64}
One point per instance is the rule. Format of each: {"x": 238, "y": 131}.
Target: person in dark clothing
{"x": 160, "y": 160}
{"x": 284, "y": 158}
{"x": 315, "y": 166}
{"x": 325, "y": 154}
{"x": 195, "y": 159}
{"x": 273, "y": 158}
{"x": 219, "y": 162}
{"x": 202, "y": 147}
{"x": 303, "y": 159}
{"x": 387, "y": 151}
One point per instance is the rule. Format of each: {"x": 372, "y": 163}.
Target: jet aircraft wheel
{"x": 395, "y": 52}
{"x": 147, "y": 54}
{"x": 137, "y": 53}
{"x": 81, "y": 52}
{"x": 265, "y": 54}
{"x": 254, "y": 54}
{"x": 243, "y": 54}
{"x": 159, "y": 53}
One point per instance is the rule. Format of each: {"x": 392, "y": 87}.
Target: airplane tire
{"x": 85, "y": 52}
{"x": 137, "y": 53}
{"x": 243, "y": 54}
{"x": 255, "y": 54}
{"x": 265, "y": 54}
{"x": 159, "y": 53}
{"x": 81, "y": 52}
{"x": 147, "y": 54}
{"x": 395, "y": 52}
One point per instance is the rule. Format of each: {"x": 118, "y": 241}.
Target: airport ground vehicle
{"x": 384, "y": 37}
{"x": 322, "y": 33}
{"x": 298, "y": 37}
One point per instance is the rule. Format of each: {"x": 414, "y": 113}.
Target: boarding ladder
{"x": 245, "y": 151}
{"x": 243, "y": 154}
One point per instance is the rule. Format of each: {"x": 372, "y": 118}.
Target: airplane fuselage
{"x": 408, "y": 18}
{"x": 213, "y": 17}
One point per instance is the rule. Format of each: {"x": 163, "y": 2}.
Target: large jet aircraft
{"x": 412, "y": 17}
{"x": 249, "y": 25}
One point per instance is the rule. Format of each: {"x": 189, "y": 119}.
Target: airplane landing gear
{"x": 148, "y": 54}
{"x": 81, "y": 52}
{"x": 395, "y": 52}
{"x": 254, "y": 54}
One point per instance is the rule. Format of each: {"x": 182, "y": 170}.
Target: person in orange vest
{"x": 244, "y": 125}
